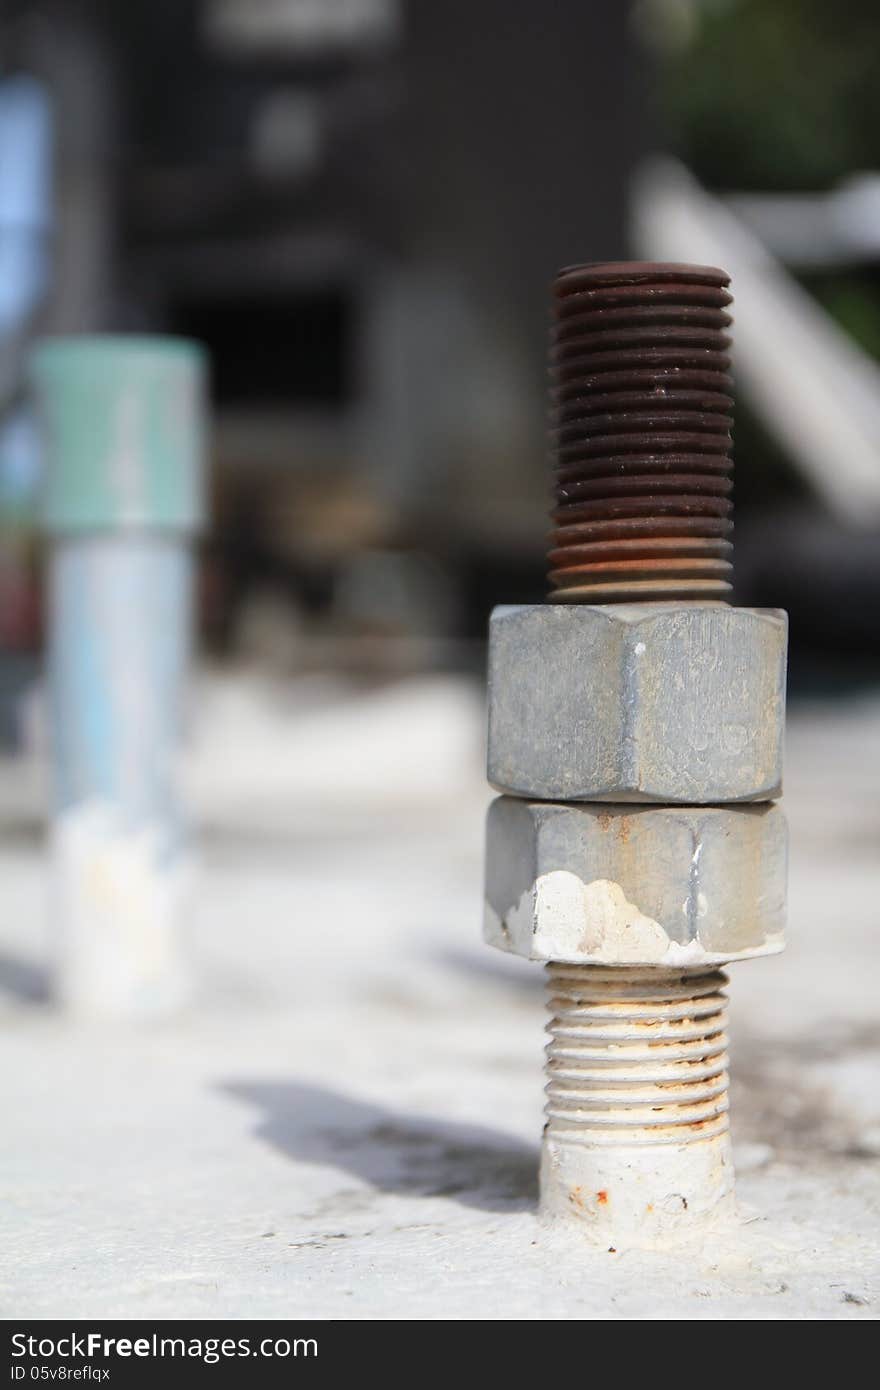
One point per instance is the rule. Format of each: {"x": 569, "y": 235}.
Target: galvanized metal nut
{"x": 680, "y": 887}
{"x": 637, "y": 702}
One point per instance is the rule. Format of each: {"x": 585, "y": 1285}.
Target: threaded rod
{"x": 636, "y": 1139}
{"x": 640, "y": 430}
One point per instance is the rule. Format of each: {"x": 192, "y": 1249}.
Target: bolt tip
{"x": 587, "y": 273}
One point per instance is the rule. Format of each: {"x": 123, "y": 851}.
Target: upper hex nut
{"x": 637, "y": 702}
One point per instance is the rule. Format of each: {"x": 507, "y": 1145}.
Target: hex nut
{"x": 635, "y": 885}
{"x": 637, "y": 702}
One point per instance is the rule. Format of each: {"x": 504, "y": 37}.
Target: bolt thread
{"x": 640, "y": 429}
{"x": 636, "y": 1056}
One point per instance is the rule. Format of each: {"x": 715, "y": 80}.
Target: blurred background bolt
{"x": 122, "y": 421}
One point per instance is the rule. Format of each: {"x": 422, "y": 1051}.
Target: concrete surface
{"x": 347, "y": 1122}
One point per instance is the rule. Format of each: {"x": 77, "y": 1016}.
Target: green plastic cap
{"x": 123, "y": 422}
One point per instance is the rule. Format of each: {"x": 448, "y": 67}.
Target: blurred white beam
{"x": 815, "y": 390}
{"x": 817, "y": 230}
{"x": 299, "y": 26}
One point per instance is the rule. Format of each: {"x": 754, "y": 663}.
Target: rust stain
{"x": 602, "y": 1197}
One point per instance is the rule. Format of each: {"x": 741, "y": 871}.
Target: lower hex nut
{"x": 673, "y": 886}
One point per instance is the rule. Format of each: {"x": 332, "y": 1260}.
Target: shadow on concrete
{"x": 24, "y": 980}
{"x": 509, "y": 973}
{"x": 393, "y": 1152}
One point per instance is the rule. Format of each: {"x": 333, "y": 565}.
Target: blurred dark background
{"x": 358, "y": 206}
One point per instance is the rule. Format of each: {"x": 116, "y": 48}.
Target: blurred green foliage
{"x": 853, "y": 299}
{"x": 773, "y": 94}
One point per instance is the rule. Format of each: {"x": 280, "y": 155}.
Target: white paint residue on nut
{"x": 687, "y": 953}
{"x": 561, "y": 918}
{"x": 594, "y": 919}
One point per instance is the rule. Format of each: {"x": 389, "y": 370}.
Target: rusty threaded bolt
{"x": 640, "y": 428}
{"x": 641, "y": 434}
{"x": 630, "y": 701}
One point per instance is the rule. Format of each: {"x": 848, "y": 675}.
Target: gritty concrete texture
{"x": 684, "y": 886}
{"x": 347, "y": 1123}
{"x": 637, "y": 702}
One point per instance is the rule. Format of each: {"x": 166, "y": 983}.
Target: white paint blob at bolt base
{"x": 121, "y": 898}
{"x": 639, "y": 1197}
{"x": 636, "y": 1146}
